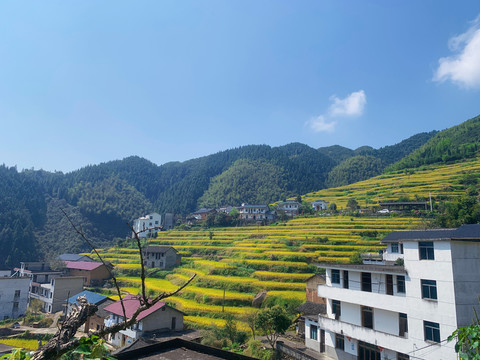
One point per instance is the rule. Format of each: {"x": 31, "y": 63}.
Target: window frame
{"x": 314, "y": 332}
{"x": 431, "y": 331}
{"x": 336, "y": 308}
{"x": 401, "y": 289}
{"x": 402, "y": 330}
{"x": 395, "y": 248}
{"x": 366, "y": 284}
{"x": 429, "y": 289}
{"x": 335, "y": 278}
{"x": 367, "y": 310}
{"x": 340, "y": 342}
{"x": 426, "y": 250}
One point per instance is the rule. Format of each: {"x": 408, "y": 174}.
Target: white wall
{"x": 12, "y": 306}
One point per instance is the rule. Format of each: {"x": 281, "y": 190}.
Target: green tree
{"x": 467, "y": 340}
{"x": 332, "y": 207}
{"x": 273, "y": 322}
{"x": 352, "y": 204}
{"x": 230, "y": 328}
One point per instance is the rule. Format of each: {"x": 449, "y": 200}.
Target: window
{"x": 402, "y": 324}
{"x": 389, "y": 284}
{"x": 394, "y": 247}
{"x": 429, "y": 289}
{"x": 17, "y": 293}
{"x": 335, "y": 276}
{"x": 313, "y": 332}
{"x": 339, "y": 342}
{"x": 156, "y": 222}
{"x": 345, "y": 279}
{"x": 366, "y": 282}
{"x": 336, "y": 309}
{"x": 367, "y": 317}
{"x": 15, "y": 306}
{"x": 432, "y": 331}
{"x": 401, "y": 284}
{"x": 401, "y": 356}
{"x": 425, "y": 249}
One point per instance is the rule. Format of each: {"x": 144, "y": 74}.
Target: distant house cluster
{"x": 258, "y": 212}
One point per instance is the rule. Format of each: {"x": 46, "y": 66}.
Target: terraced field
{"x": 242, "y": 261}
{"x": 442, "y": 181}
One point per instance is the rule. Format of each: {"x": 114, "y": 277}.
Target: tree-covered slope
{"x": 456, "y": 143}
{"x": 356, "y": 168}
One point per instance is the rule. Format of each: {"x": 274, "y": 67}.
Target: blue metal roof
{"x": 92, "y": 297}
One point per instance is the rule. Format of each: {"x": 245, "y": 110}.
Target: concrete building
{"x": 318, "y": 205}
{"x": 203, "y": 213}
{"x": 38, "y": 271}
{"x": 161, "y": 257}
{"x": 13, "y": 296}
{"x": 169, "y": 221}
{"x": 94, "y": 273}
{"x": 147, "y": 225}
{"x": 157, "y": 318}
{"x": 253, "y": 212}
{"x": 290, "y": 207}
{"x": 54, "y": 294}
{"x": 386, "y": 311}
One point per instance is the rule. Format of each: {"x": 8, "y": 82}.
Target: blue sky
{"x": 91, "y": 81}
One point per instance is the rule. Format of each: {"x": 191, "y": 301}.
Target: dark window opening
{"x": 367, "y": 317}
{"x": 401, "y": 284}
{"x": 345, "y": 279}
{"x": 313, "y": 332}
{"x": 402, "y": 324}
{"x": 429, "y": 289}
{"x": 366, "y": 282}
{"x": 389, "y": 285}
{"x": 335, "y": 276}
{"x": 336, "y": 309}
{"x": 425, "y": 249}
{"x": 339, "y": 342}
{"x": 432, "y": 331}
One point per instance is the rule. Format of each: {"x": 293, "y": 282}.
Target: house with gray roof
{"x": 161, "y": 257}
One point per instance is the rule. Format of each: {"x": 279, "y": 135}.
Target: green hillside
{"x": 453, "y": 144}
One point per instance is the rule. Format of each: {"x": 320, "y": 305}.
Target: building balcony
{"x": 377, "y": 300}
{"x": 379, "y": 338}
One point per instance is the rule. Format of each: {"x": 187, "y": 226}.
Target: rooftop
{"x": 131, "y": 304}
{"x": 464, "y": 232}
{"x": 92, "y": 297}
{"x": 157, "y": 249}
{"x": 311, "y": 308}
{"x": 83, "y": 265}
{"x": 74, "y": 257}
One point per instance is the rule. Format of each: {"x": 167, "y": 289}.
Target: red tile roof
{"x": 131, "y": 304}
{"x": 83, "y": 265}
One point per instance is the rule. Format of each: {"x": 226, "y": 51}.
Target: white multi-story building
{"x": 54, "y": 294}
{"x": 291, "y": 207}
{"x": 387, "y": 311}
{"x": 13, "y": 296}
{"x": 147, "y": 225}
{"x": 253, "y": 212}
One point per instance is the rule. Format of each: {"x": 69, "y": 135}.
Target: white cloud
{"x": 320, "y": 124}
{"x": 462, "y": 68}
{"x": 352, "y": 105}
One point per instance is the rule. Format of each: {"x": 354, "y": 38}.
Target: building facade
{"x": 94, "y": 273}
{"x": 253, "y": 212}
{"x": 13, "y": 296}
{"x": 54, "y": 295}
{"x": 160, "y": 317}
{"x": 318, "y": 205}
{"x": 148, "y": 225}
{"x": 290, "y": 207}
{"x": 161, "y": 257}
{"x": 386, "y": 311}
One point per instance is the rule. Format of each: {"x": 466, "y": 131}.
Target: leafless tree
{"x": 64, "y": 340}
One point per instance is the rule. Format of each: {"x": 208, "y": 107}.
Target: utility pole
{"x": 431, "y": 207}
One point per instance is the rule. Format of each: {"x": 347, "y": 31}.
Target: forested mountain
{"x": 103, "y": 198}
{"x": 458, "y": 142}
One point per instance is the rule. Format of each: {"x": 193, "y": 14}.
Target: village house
{"x": 148, "y": 225}
{"x": 161, "y": 257}
{"x": 13, "y": 296}
{"x": 319, "y": 205}
{"x": 253, "y": 212}
{"x": 160, "y": 317}
{"x": 38, "y": 271}
{"x": 387, "y": 309}
{"x": 290, "y": 207}
{"x": 94, "y": 273}
{"x": 97, "y": 320}
{"x": 54, "y": 294}
{"x": 74, "y": 257}
{"x": 202, "y": 213}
